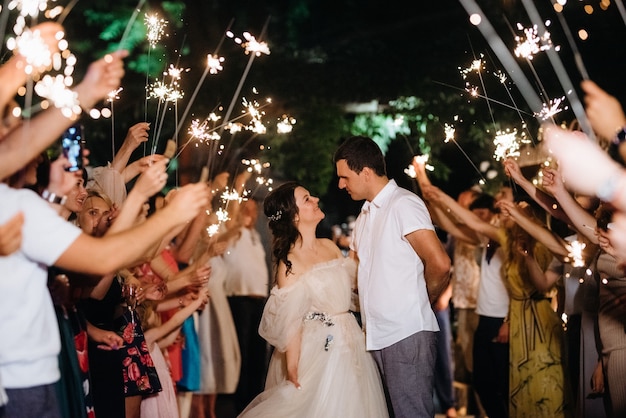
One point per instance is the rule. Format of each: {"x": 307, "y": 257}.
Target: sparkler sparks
{"x": 449, "y": 130}
{"x": 251, "y": 45}
{"x": 155, "y": 29}
{"x": 29, "y": 7}
{"x": 532, "y": 44}
{"x": 551, "y": 108}
{"x": 507, "y": 144}
{"x": 202, "y": 131}
{"x": 55, "y": 89}
{"x": 421, "y": 159}
{"x": 476, "y": 66}
{"x": 575, "y": 252}
{"x": 285, "y": 124}
{"x": 214, "y": 63}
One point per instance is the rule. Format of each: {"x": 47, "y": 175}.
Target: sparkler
{"x": 575, "y": 252}
{"x": 111, "y": 97}
{"x": 214, "y": 65}
{"x": 243, "y": 77}
{"x": 422, "y": 159}
{"x": 156, "y": 29}
{"x": 551, "y": 108}
{"x": 130, "y": 23}
{"x": 285, "y": 124}
{"x": 497, "y": 45}
{"x": 561, "y": 73}
{"x": 450, "y": 131}
{"x": 507, "y": 144}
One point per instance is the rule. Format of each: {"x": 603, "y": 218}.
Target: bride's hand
{"x": 293, "y": 378}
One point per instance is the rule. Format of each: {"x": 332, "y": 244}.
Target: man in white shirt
{"x": 403, "y": 268}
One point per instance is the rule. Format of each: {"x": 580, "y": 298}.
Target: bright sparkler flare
{"x": 34, "y": 49}
{"x": 255, "y": 165}
{"x": 230, "y": 195}
{"x": 222, "y": 215}
{"x": 532, "y": 44}
{"x": 420, "y": 159}
{"x": 502, "y": 77}
{"x": 575, "y": 252}
{"x": 114, "y": 94}
{"x": 254, "y": 46}
{"x": 449, "y": 130}
{"x": 155, "y": 29}
{"x": 551, "y": 108}
{"x": 214, "y": 63}
{"x": 476, "y": 66}
{"x": 165, "y": 92}
{"x": 202, "y": 131}
{"x": 507, "y": 144}
{"x": 256, "y": 125}
{"x": 213, "y": 229}
{"x": 29, "y": 7}
{"x": 285, "y": 124}
{"x": 55, "y": 90}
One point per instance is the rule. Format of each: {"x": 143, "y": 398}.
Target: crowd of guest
{"x": 116, "y": 301}
{"x": 114, "y": 298}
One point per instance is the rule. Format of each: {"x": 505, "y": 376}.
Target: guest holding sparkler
{"x": 536, "y": 352}
{"x": 403, "y": 268}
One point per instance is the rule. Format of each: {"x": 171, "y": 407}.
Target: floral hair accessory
{"x": 276, "y": 216}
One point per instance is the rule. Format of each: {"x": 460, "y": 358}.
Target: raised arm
{"x": 553, "y": 242}
{"x": 112, "y": 252}
{"x": 581, "y": 220}
{"x": 465, "y": 215}
{"x": 27, "y": 141}
{"x": 547, "y": 202}
{"x": 137, "y": 134}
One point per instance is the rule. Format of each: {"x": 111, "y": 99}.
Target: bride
{"x": 319, "y": 366}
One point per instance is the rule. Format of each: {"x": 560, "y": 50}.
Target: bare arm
{"x": 112, "y": 252}
{"x": 547, "y": 202}
{"x": 137, "y": 134}
{"x": 428, "y": 247}
{"x": 553, "y": 242}
{"x": 24, "y": 143}
{"x": 154, "y": 334}
{"x": 465, "y": 215}
{"x": 583, "y": 221}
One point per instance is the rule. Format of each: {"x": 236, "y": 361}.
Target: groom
{"x": 403, "y": 268}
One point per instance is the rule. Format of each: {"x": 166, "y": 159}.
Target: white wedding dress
{"x": 338, "y": 377}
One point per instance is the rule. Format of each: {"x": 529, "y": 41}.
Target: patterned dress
{"x": 537, "y": 381}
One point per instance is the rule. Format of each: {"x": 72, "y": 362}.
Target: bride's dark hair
{"x": 280, "y": 208}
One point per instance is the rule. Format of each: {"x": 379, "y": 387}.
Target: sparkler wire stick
{"x": 561, "y": 73}
{"x": 470, "y": 161}
{"x": 243, "y": 79}
{"x": 505, "y": 57}
{"x": 66, "y": 11}
{"x": 512, "y": 107}
{"x": 622, "y": 10}
{"x": 195, "y": 92}
{"x": 131, "y": 22}
{"x": 4, "y": 17}
{"x": 239, "y": 87}
{"x": 570, "y": 40}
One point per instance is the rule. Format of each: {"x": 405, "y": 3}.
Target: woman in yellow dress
{"x": 538, "y": 386}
